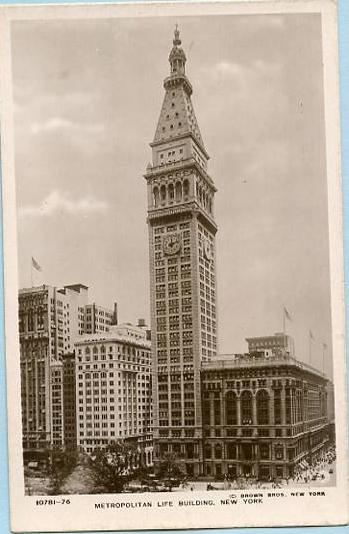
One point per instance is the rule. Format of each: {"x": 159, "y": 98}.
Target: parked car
{"x": 174, "y": 482}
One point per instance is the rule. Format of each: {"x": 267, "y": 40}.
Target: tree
{"x": 142, "y": 472}
{"x": 169, "y": 469}
{"x": 61, "y": 465}
{"x": 112, "y": 466}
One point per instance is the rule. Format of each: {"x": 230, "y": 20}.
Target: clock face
{"x": 207, "y": 250}
{"x": 172, "y": 244}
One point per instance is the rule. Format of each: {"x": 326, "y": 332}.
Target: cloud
{"x": 257, "y": 68}
{"x": 57, "y": 202}
{"x": 55, "y": 124}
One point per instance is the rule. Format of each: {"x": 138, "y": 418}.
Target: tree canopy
{"x": 112, "y": 466}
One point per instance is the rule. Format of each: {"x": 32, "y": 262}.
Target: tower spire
{"x": 177, "y": 117}
{"x": 177, "y": 57}
{"x": 176, "y": 40}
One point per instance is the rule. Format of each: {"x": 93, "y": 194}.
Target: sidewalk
{"x": 80, "y": 481}
{"x": 329, "y": 480}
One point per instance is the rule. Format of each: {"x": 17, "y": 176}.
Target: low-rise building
{"x": 262, "y": 417}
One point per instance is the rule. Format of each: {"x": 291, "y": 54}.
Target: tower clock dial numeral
{"x": 172, "y": 244}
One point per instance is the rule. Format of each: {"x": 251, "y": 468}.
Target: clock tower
{"x": 182, "y": 270}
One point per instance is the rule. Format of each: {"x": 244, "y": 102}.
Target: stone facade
{"x": 47, "y": 321}
{"x": 182, "y": 267}
{"x": 69, "y": 400}
{"x": 113, "y": 388}
{"x": 262, "y": 416}
{"x": 50, "y": 320}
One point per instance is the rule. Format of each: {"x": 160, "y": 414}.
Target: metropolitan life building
{"x": 182, "y": 233}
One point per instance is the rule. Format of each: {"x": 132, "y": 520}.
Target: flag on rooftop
{"x": 36, "y": 265}
{"x": 287, "y": 314}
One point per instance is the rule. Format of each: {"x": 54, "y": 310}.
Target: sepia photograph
{"x": 174, "y": 299}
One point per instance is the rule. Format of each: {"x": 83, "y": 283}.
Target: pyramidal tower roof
{"x": 177, "y": 116}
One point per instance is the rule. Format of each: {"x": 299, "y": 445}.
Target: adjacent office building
{"x": 114, "y": 390}
{"x": 264, "y": 416}
{"x": 50, "y": 320}
{"x": 69, "y": 400}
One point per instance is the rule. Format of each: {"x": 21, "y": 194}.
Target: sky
{"x": 87, "y": 97}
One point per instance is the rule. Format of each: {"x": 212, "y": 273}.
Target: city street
{"x": 328, "y": 481}
{"x": 80, "y": 481}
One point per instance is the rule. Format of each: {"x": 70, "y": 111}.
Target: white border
{"x": 81, "y": 514}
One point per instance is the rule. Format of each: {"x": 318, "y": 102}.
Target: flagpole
{"x": 285, "y": 315}
{"x": 323, "y": 359}
{"x": 324, "y": 347}
{"x": 309, "y": 348}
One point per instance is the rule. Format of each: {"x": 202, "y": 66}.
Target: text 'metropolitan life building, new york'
{"x": 261, "y": 414}
{"x": 182, "y": 233}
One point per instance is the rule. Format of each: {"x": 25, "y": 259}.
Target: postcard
{"x": 174, "y": 302}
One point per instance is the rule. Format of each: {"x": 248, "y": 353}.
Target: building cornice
{"x": 177, "y": 166}
{"x": 239, "y": 363}
{"x": 189, "y": 207}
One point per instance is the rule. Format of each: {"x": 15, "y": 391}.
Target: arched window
{"x": 231, "y": 409}
{"x": 264, "y": 451}
{"x": 246, "y": 408}
{"x": 277, "y": 407}
{"x": 170, "y": 192}
{"x": 323, "y": 412}
{"x": 163, "y": 193}
{"x": 288, "y": 394}
{"x": 87, "y": 350}
{"x": 156, "y": 196}
{"x": 218, "y": 451}
{"x": 207, "y": 450}
{"x": 95, "y": 350}
{"x": 178, "y": 191}
{"x": 200, "y": 195}
{"x": 185, "y": 188}
{"x": 103, "y": 349}
{"x": 262, "y": 400}
{"x": 231, "y": 451}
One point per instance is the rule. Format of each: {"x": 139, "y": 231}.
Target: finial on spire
{"x": 177, "y": 57}
{"x": 176, "y": 40}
